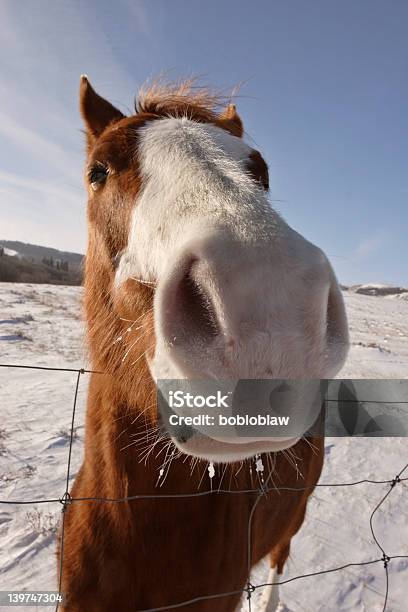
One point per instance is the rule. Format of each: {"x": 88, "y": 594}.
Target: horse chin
{"x": 216, "y": 451}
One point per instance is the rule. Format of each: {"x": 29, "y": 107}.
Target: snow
{"x": 11, "y": 252}
{"x": 41, "y": 325}
{"x": 374, "y": 286}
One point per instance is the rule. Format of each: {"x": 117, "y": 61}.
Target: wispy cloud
{"x": 15, "y": 181}
{"x": 35, "y": 144}
{"x": 370, "y": 246}
{"x": 41, "y": 211}
{"x": 43, "y": 51}
{"x": 137, "y": 9}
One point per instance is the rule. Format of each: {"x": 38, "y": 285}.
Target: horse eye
{"x": 97, "y": 176}
{"x": 116, "y": 260}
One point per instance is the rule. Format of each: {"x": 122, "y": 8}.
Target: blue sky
{"x": 324, "y": 98}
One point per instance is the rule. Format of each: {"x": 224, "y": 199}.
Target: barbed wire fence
{"x": 65, "y": 500}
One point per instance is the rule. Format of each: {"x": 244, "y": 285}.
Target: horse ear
{"x": 231, "y": 121}
{"x": 96, "y": 112}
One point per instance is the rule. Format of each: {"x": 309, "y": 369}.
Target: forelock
{"x": 181, "y": 99}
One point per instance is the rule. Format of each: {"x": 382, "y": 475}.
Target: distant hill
{"x": 31, "y": 263}
{"x": 36, "y": 253}
{"x": 379, "y": 289}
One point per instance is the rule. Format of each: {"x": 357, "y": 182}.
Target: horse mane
{"x": 182, "y": 98}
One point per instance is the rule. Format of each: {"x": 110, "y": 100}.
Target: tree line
{"x": 58, "y": 264}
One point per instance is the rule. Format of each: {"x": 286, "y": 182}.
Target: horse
{"x": 190, "y": 274}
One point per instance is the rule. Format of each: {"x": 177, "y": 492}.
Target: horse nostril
{"x": 184, "y": 434}
{"x": 278, "y": 398}
{"x": 337, "y": 337}
{"x": 194, "y": 306}
{"x": 333, "y": 314}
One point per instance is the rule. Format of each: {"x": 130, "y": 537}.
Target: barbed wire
{"x": 261, "y": 491}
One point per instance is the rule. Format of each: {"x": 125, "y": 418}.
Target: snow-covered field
{"x": 41, "y": 325}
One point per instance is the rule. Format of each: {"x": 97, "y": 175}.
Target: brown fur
{"x": 141, "y": 554}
